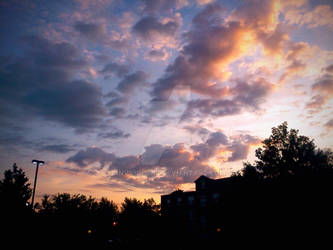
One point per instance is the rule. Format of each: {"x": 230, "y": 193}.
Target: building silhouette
{"x": 200, "y": 211}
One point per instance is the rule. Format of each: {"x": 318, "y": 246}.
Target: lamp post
{"x": 37, "y": 163}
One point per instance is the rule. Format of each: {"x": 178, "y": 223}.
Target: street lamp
{"x": 37, "y": 163}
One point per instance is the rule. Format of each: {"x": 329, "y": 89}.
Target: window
{"x": 203, "y": 201}
{"x": 203, "y": 184}
{"x": 190, "y": 200}
{"x": 203, "y": 220}
{"x": 216, "y": 196}
{"x": 190, "y": 215}
{"x": 179, "y": 200}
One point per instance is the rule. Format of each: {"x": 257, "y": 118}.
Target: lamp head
{"x": 37, "y": 162}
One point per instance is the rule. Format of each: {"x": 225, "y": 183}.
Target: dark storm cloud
{"x": 132, "y": 81}
{"x": 148, "y": 28}
{"x": 41, "y": 83}
{"x": 119, "y": 70}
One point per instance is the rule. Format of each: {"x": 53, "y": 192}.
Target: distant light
{"x": 114, "y": 223}
{"x": 218, "y": 229}
{"x": 89, "y": 231}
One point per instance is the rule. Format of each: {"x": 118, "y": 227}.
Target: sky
{"x": 140, "y": 98}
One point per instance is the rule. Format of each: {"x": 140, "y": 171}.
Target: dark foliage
{"x": 284, "y": 197}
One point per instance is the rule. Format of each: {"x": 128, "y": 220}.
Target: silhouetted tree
{"x": 15, "y": 190}
{"x": 78, "y": 220}
{"x": 16, "y": 214}
{"x": 139, "y": 222}
{"x": 287, "y": 153}
{"x": 285, "y": 191}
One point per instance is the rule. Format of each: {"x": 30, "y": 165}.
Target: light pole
{"x": 37, "y": 163}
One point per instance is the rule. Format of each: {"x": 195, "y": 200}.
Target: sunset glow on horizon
{"x": 139, "y": 98}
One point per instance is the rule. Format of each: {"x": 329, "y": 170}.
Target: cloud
{"x": 324, "y": 89}
{"x": 150, "y": 28}
{"x": 159, "y": 6}
{"x": 119, "y": 70}
{"x": 164, "y": 166}
{"x": 92, "y": 31}
{"x": 204, "y": 107}
{"x": 132, "y": 81}
{"x": 125, "y": 88}
{"x": 115, "y": 99}
{"x": 195, "y": 129}
{"x": 316, "y": 103}
{"x": 329, "y": 124}
{"x": 329, "y": 69}
{"x": 321, "y": 15}
{"x": 42, "y": 84}
{"x": 295, "y": 51}
{"x": 91, "y": 155}
{"x": 203, "y": 2}
{"x": 273, "y": 41}
{"x": 324, "y": 85}
{"x": 243, "y": 96}
{"x": 77, "y": 103}
{"x": 114, "y": 134}
{"x": 97, "y": 33}
{"x": 157, "y": 55}
{"x": 240, "y": 147}
{"x": 209, "y": 148}
{"x": 210, "y": 46}
{"x": 57, "y": 148}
